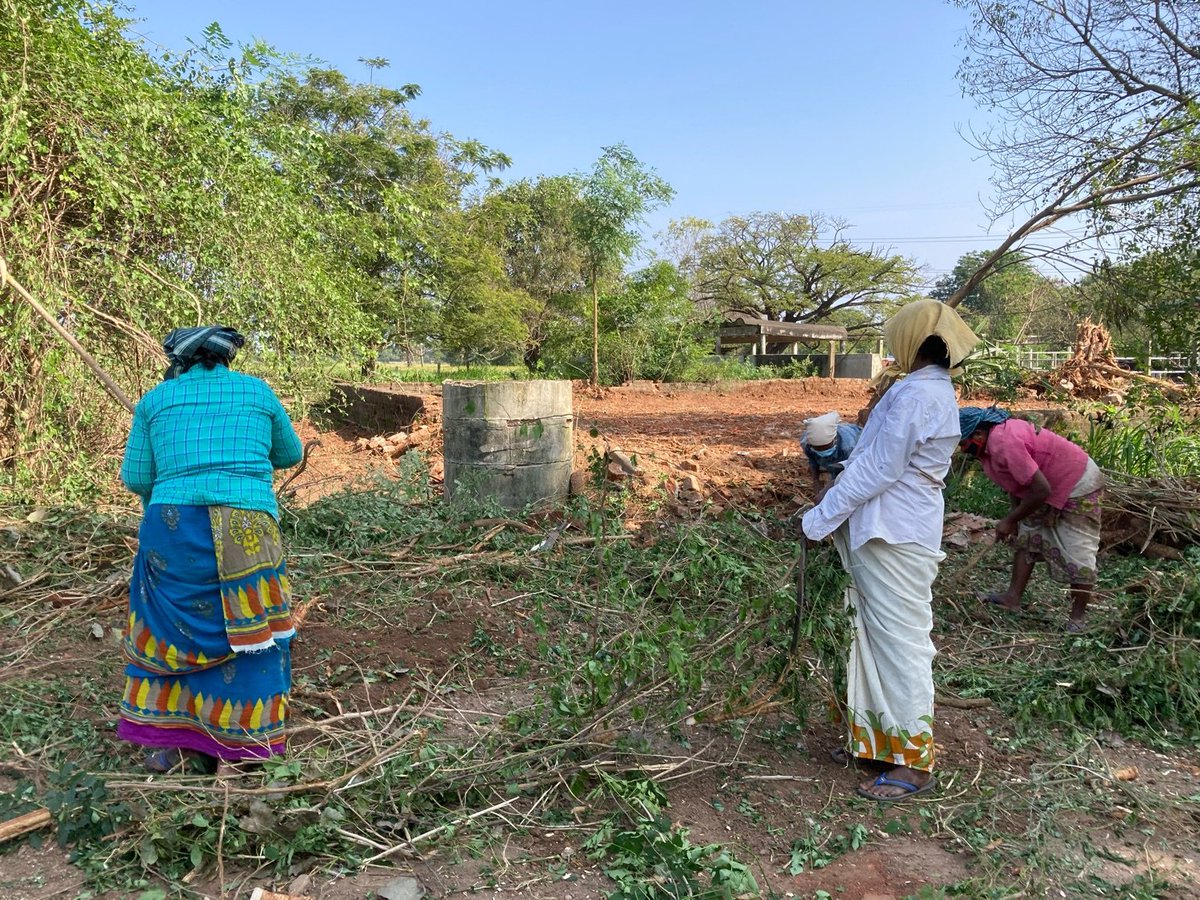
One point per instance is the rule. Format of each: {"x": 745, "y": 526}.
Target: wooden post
{"x": 718, "y": 343}
{"x": 833, "y": 359}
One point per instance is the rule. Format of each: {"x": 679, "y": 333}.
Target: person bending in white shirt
{"x": 884, "y": 514}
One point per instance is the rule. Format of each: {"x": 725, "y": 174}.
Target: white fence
{"x": 1040, "y": 360}
{"x": 1174, "y": 366}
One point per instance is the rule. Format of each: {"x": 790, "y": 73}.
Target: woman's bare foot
{"x": 1004, "y": 600}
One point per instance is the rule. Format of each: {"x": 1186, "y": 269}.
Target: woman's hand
{"x": 1006, "y": 529}
{"x": 798, "y": 525}
{"x": 1033, "y": 501}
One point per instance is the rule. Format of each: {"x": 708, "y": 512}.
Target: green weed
{"x": 1134, "y": 670}
{"x": 1144, "y": 436}
{"x": 821, "y": 847}
{"x": 650, "y": 858}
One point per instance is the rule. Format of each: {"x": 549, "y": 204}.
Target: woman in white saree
{"x": 884, "y": 514}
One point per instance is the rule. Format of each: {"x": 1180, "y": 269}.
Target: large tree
{"x": 1015, "y": 302}
{"x": 532, "y": 223}
{"x": 1097, "y": 112}
{"x": 393, "y": 185}
{"x": 614, "y": 200}
{"x": 650, "y": 328}
{"x": 794, "y": 268}
{"x": 1155, "y": 295}
{"x": 482, "y": 317}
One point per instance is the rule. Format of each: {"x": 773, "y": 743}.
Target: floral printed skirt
{"x": 209, "y": 662}
{"x": 1068, "y": 539}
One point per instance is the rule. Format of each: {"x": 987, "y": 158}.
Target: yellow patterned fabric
{"x": 186, "y": 684}
{"x": 255, "y": 590}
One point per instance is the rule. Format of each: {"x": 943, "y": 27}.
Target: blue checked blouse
{"x": 210, "y": 437}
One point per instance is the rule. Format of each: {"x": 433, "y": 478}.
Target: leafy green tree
{"x": 532, "y": 223}
{"x": 649, "y": 326}
{"x": 614, "y": 198}
{"x": 781, "y": 267}
{"x": 482, "y": 315}
{"x": 1014, "y": 302}
{"x": 393, "y": 184}
{"x": 1155, "y": 296}
{"x": 139, "y": 194}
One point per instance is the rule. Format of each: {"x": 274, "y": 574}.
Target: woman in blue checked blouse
{"x": 209, "y": 667}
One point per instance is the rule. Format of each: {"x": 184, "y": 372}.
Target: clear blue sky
{"x": 807, "y": 106}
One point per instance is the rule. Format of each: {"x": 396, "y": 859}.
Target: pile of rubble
{"x": 683, "y": 480}
{"x": 398, "y": 443}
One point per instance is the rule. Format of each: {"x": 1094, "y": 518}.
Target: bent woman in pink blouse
{"x": 1055, "y": 489}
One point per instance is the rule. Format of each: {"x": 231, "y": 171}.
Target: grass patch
{"x": 628, "y": 634}
{"x": 439, "y": 372}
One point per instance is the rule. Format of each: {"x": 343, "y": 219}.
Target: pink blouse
{"x": 1016, "y": 451}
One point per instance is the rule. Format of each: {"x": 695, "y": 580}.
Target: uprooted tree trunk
{"x": 1092, "y": 370}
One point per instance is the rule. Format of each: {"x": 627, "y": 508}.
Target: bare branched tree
{"x": 1097, "y": 106}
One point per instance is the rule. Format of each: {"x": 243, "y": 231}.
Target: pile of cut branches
{"x": 1157, "y": 516}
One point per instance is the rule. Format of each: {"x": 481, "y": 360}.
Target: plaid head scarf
{"x": 971, "y": 417}
{"x": 183, "y": 344}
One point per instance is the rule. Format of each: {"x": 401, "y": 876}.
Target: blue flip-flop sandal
{"x": 910, "y": 789}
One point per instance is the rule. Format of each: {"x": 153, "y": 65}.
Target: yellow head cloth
{"x": 908, "y": 329}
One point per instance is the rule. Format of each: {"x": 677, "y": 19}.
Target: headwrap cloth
{"x": 183, "y": 344}
{"x": 822, "y": 429}
{"x": 971, "y": 417}
{"x": 916, "y": 321}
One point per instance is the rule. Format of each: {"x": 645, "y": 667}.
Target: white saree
{"x": 890, "y": 673}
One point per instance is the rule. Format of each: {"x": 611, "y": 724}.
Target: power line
{"x": 945, "y": 239}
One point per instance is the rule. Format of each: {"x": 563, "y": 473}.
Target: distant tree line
{"x": 142, "y": 192}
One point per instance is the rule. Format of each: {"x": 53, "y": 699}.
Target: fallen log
{"x": 26, "y": 824}
{"x": 961, "y": 702}
{"x": 1170, "y": 388}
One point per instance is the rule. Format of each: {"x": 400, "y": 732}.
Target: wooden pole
{"x": 112, "y": 386}
{"x": 832, "y": 359}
